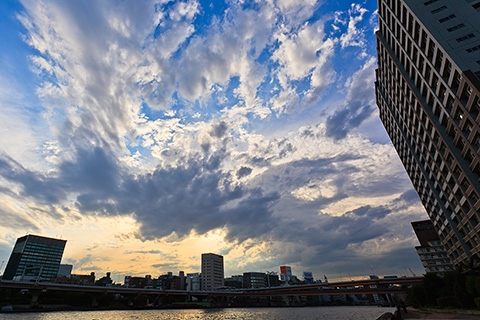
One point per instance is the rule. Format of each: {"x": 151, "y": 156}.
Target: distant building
{"x": 308, "y": 277}
{"x": 260, "y": 280}
{"x": 431, "y": 251}
{"x": 181, "y": 275}
{"x": 80, "y": 279}
{"x": 192, "y": 282}
{"x": 35, "y": 256}
{"x": 254, "y": 280}
{"x": 104, "y": 281}
{"x": 272, "y": 280}
{"x": 65, "y": 270}
{"x": 234, "y": 282}
{"x": 212, "y": 276}
{"x": 138, "y": 282}
{"x": 285, "y": 273}
{"x": 170, "y": 282}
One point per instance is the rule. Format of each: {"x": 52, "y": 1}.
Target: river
{"x": 306, "y": 313}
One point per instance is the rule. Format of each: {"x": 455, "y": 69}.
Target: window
{"x": 466, "y": 37}
{"x": 447, "y": 18}
{"x": 430, "y": 2}
{"x": 439, "y": 9}
{"x": 472, "y": 49}
{"x": 458, "y": 26}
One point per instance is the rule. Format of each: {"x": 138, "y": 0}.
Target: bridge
{"x": 370, "y": 286}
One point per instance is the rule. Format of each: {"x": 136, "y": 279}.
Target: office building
{"x": 428, "y": 95}
{"x": 35, "y": 257}
{"x": 212, "y": 271}
{"x": 431, "y": 251}
{"x": 254, "y": 280}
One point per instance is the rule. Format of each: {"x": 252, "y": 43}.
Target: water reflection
{"x": 318, "y": 313}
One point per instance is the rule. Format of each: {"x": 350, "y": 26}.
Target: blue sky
{"x": 148, "y": 132}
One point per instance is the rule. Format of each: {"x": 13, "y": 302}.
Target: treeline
{"x": 454, "y": 289}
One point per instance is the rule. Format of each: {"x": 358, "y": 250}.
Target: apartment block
{"x": 428, "y": 95}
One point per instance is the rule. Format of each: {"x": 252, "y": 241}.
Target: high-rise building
{"x": 35, "y": 257}
{"x": 212, "y": 271}
{"x": 431, "y": 251}
{"x": 428, "y": 93}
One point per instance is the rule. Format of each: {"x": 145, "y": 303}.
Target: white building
{"x": 212, "y": 275}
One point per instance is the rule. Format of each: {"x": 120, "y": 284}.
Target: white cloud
{"x": 354, "y": 36}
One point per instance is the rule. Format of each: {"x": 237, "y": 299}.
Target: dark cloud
{"x": 373, "y": 212}
{"x": 346, "y": 119}
{"x": 243, "y": 172}
{"x": 44, "y": 189}
{"x": 196, "y": 196}
{"x": 360, "y": 103}
{"x": 219, "y": 130}
{"x": 144, "y": 252}
{"x": 166, "y": 265}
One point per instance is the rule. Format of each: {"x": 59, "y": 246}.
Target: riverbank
{"x": 425, "y": 313}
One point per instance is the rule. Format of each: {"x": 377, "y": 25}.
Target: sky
{"x": 148, "y": 132}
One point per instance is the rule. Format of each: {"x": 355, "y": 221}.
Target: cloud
{"x": 243, "y": 172}
{"x": 190, "y": 124}
{"x": 360, "y": 102}
{"x": 354, "y": 36}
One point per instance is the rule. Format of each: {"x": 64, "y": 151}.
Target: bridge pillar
{"x": 35, "y": 295}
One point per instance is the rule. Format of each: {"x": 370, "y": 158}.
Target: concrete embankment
{"x": 442, "y": 314}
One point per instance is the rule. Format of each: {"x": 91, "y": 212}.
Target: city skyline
{"x": 149, "y": 133}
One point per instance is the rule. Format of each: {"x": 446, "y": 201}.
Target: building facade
{"x": 35, "y": 257}
{"x": 254, "y": 280}
{"x": 235, "y": 281}
{"x": 212, "y": 276}
{"x": 431, "y": 251}
{"x": 65, "y": 270}
{"x": 192, "y": 282}
{"x": 428, "y": 95}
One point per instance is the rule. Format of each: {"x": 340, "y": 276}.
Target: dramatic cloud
{"x": 185, "y": 127}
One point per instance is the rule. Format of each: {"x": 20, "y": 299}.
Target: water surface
{"x": 307, "y": 313}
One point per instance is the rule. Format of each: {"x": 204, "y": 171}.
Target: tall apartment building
{"x": 428, "y": 94}
{"x": 35, "y": 257}
{"x": 431, "y": 251}
{"x": 212, "y": 276}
